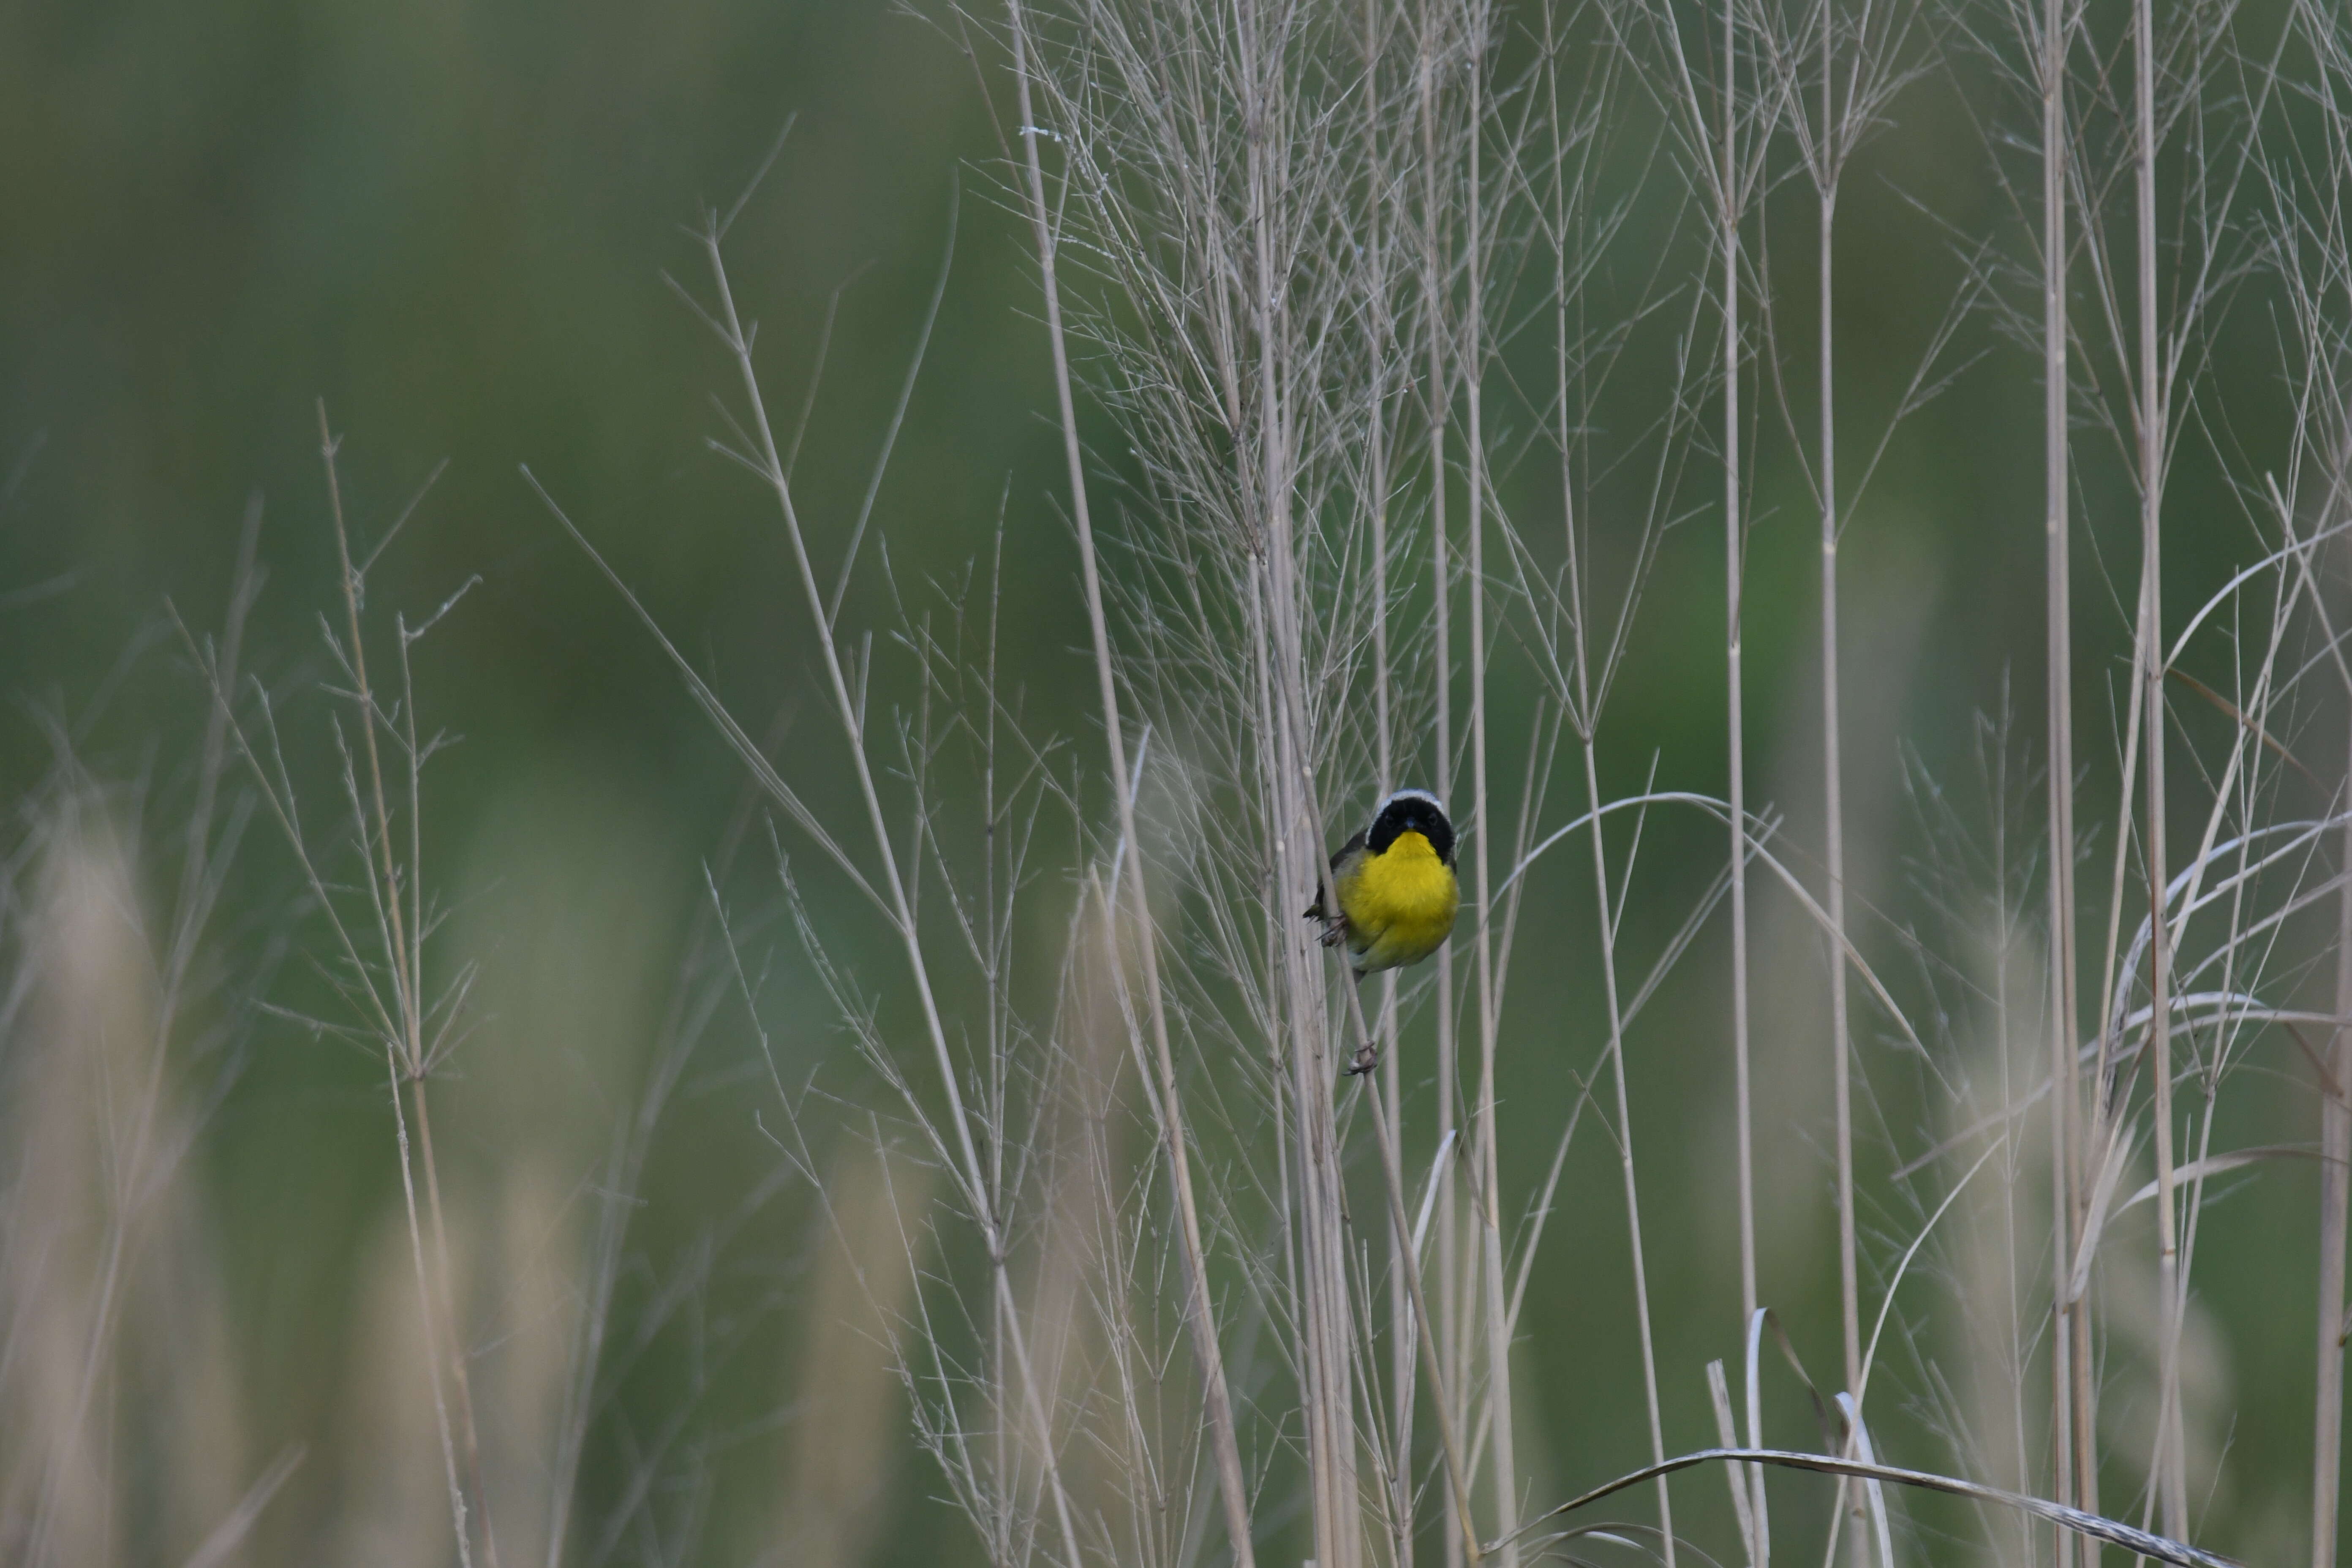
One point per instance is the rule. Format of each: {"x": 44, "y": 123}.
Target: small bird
{"x": 1397, "y": 893}
{"x": 1396, "y": 885}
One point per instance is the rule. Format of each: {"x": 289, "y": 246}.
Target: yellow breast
{"x": 1400, "y": 904}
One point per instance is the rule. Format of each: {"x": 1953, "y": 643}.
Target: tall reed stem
{"x": 2335, "y": 1198}
{"x": 1497, "y": 1302}
{"x": 1625, "y": 1151}
{"x": 406, "y": 976}
{"x": 1826, "y": 161}
{"x": 1439, "y": 398}
{"x": 2171, "y": 1471}
{"x": 1735, "y": 545}
{"x": 1199, "y": 1317}
{"x": 1832, "y": 762}
{"x": 1324, "y": 1284}
{"x": 893, "y": 898}
{"x": 2065, "y": 1096}
{"x": 1391, "y": 1099}
{"x": 1298, "y": 832}
{"x": 1408, "y": 1265}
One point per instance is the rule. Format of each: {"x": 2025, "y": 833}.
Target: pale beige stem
{"x": 969, "y": 1173}
{"x": 1297, "y": 826}
{"x": 1409, "y": 1265}
{"x": 1832, "y": 760}
{"x": 2335, "y": 1198}
{"x": 1216, "y": 1397}
{"x": 2065, "y": 1097}
{"x": 405, "y": 979}
{"x": 1450, "y": 1317}
{"x": 2172, "y": 1481}
{"x": 1390, "y": 1107}
{"x": 1489, "y": 1205}
{"x": 1734, "y": 570}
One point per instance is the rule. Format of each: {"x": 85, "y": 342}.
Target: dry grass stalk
{"x": 2170, "y": 1466}
{"x": 383, "y": 983}
{"x": 1167, "y": 1101}
{"x": 2058, "y": 21}
{"x": 1861, "y": 67}
{"x": 2312, "y": 254}
{"x": 953, "y": 1136}
{"x": 1722, "y": 132}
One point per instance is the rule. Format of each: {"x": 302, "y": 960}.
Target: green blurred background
{"x": 450, "y": 222}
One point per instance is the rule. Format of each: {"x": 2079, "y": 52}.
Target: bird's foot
{"x": 1368, "y": 1056}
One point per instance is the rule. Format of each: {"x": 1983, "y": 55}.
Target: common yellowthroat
{"x": 1397, "y": 890}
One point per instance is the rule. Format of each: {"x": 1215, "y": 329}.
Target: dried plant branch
{"x": 2087, "y": 1525}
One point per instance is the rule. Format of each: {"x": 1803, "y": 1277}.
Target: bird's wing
{"x": 1353, "y": 846}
